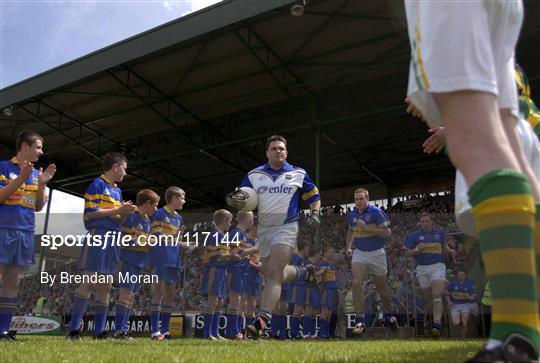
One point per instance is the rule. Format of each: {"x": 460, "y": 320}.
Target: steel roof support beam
{"x": 84, "y": 131}
{"x": 172, "y": 103}
{"x": 371, "y": 116}
{"x": 350, "y": 119}
{"x": 253, "y": 41}
{"x": 319, "y": 28}
{"x": 268, "y": 59}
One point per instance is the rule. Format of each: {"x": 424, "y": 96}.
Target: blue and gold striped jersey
{"x": 102, "y": 195}
{"x": 434, "y": 241}
{"x": 329, "y": 275}
{"x": 458, "y": 291}
{"x": 214, "y": 249}
{"x": 372, "y": 216}
{"x": 136, "y": 225}
{"x": 238, "y": 241}
{"x": 17, "y": 211}
{"x": 166, "y": 225}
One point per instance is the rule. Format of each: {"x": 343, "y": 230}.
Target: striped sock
{"x": 265, "y": 314}
{"x": 504, "y": 213}
{"x": 7, "y": 308}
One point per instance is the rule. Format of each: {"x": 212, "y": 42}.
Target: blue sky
{"x": 37, "y": 35}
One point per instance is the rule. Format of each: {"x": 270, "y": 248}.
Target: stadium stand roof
{"x": 191, "y": 102}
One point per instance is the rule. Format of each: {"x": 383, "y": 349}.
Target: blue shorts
{"x": 167, "y": 274}
{"x": 236, "y": 281}
{"x": 16, "y": 247}
{"x": 285, "y": 292}
{"x": 214, "y": 282}
{"x": 314, "y": 297}
{"x": 299, "y": 294}
{"x": 99, "y": 259}
{"x": 329, "y": 298}
{"x": 127, "y": 269}
{"x": 253, "y": 288}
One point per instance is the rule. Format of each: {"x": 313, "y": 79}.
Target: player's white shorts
{"x": 268, "y": 236}
{"x": 463, "y": 209}
{"x": 426, "y": 274}
{"x": 462, "y": 45}
{"x": 458, "y": 309}
{"x": 374, "y": 260}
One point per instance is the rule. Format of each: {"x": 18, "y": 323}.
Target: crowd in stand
{"x": 403, "y": 218}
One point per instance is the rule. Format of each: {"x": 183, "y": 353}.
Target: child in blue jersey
{"x": 253, "y": 278}
{"x": 133, "y": 257}
{"x": 22, "y": 193}
{"x": 104, "y": 212}
{"x": 216, "y": 257}
{"x": 461, "y": 292}
{"x": 313, "y": 298}
{"x": 328, "y": 273}
{"x": 298, "y": 292}
{"x": 237, "y": 271}
{"x": 166, "y": 260}
{"x": 427, "y": 244}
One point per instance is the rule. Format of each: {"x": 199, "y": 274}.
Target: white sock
{"x": 492, "y": 344}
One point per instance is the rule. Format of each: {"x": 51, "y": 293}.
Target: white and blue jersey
{"x": 434, "y": 241}
{"x": 372, "y": 216}
{"x": 279, "y": 193}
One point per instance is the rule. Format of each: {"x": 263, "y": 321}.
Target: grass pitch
{"x": 57, "y": 349}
